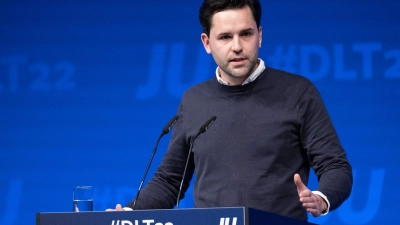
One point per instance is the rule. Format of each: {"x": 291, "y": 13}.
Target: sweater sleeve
{"x": 324, "y": 151}
{"x": 162, "y": 190}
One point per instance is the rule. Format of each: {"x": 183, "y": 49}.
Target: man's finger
{"x": 119, "y": 207}
{"x": 307, "y": 199}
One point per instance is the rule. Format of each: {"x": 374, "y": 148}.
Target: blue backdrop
{"x": 86, "y": 86}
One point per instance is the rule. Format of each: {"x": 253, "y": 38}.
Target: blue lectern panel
{"x": 221, "y": 216}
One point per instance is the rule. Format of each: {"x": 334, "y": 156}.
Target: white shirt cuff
{"x": 127, "y": 209}
{"x": 326, "y": 200}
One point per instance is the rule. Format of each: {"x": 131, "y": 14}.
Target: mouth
{"x": 238, "y": 61}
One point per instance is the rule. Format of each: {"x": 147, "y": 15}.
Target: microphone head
{"x": 207, "y": 125}
{"x": 170, "y": 124}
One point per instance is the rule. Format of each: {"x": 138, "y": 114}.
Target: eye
{"x": 224, "y": 37}
{"x": 246, "y": 34}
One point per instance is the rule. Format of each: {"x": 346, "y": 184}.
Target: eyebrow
{"x": 247, "y": 30}
{"x": 228, "y": 33}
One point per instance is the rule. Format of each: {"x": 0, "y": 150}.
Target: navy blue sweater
{"x": 265, "y": 132}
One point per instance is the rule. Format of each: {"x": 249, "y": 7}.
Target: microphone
{"x": 205, "y": 126}
{"x": 169, "y": 125}
{"x": 165, "y": 130}
{"x": 202, "y": 129}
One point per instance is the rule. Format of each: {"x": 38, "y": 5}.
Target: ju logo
{"x": 170, "y": 66}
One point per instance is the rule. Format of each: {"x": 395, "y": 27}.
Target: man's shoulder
{"x": 284, "y": 77}
{"x": 200, "y": 89}
{"x": 280, "y": 82}
{"x": 202, "y": 86}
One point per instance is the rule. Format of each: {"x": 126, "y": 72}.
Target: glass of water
{"x": 82, "y": 199}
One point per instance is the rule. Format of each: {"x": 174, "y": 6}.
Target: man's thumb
{"x": 300, "y": 185}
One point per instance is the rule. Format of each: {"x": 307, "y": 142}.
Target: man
{"x": 271, "y": 127}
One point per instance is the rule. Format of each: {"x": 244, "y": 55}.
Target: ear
{"x": 206, "y": 42}
{"x": 259, "y": 36}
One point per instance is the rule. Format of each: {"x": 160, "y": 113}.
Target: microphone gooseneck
{"x": 202, "y": 129}
{"x": 165, "y": 130}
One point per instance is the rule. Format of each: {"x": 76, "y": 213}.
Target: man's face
{"x": 234, "y": 42}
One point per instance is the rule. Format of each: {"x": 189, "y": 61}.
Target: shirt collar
{"x": 251, "y": 78}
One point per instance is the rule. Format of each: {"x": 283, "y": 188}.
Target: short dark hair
{"x": 210, "y": 7}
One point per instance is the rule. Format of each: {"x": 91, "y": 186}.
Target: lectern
{"x": 198, "y": 216}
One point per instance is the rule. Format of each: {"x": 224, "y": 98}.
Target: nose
{"x": 236, "y": 45}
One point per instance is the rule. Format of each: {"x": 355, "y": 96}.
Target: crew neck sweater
{"x": 265, "y": 132}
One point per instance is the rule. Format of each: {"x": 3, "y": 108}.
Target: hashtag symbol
{"x": 284, "y": 61}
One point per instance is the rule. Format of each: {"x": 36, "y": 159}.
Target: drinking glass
{"x": 82, "y": 199}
